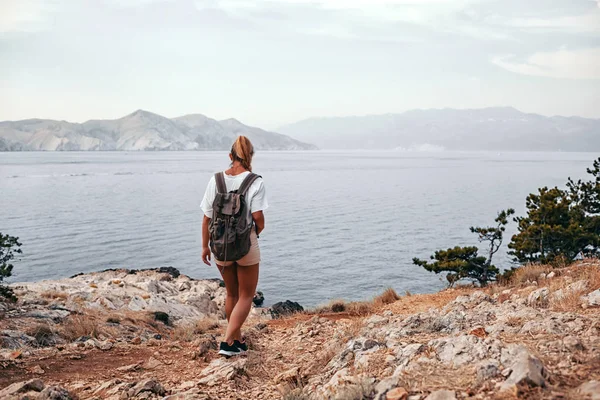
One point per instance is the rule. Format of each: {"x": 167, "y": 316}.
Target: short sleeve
{"x": 209, "y": 198}
{"x": 259, "y": 199}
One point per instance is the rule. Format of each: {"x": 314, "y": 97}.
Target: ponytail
{"x": 242, "y": 151}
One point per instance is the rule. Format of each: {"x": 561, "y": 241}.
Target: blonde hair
{"x": 242, "y": 151}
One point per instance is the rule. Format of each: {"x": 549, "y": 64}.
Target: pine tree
{"x": 560, "y": 223}
{"x": 465, "y": 262}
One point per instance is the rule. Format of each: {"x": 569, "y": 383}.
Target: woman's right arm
{"x": 205, "y": 237}
{"x": 259, "y": 220}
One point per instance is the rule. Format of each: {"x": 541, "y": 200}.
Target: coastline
{"x": 152, "y": 334}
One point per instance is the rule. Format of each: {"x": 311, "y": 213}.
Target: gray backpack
{"x": 232, "y": 223}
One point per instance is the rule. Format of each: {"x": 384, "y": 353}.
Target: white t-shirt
{"x": 256, "y": 197}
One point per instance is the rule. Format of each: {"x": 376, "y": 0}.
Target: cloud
{"x": 24, "y": 15}
{"x": 563, "y": 64}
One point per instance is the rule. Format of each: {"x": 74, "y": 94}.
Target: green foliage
{"x": 560, "y": 223}
{"x": 9, "y": 246}
{"x": 465, "y": 262}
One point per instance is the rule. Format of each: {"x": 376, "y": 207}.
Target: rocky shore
{"x": 153, "y": 335}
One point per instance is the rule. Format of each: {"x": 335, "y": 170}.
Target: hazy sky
{"x": 272, "y": 62}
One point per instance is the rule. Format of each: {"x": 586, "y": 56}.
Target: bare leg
{"x": 229, "y": 275}
{"x": 247, "y": 277}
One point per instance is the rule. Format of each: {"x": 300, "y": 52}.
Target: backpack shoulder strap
{"x": 220, "y": 180}
{"x": 248, "y": 181}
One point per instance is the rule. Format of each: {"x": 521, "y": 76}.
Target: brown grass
{"x": 388, "y": 296}
{"x": 529, "y": 273}
{"x": 432, "y": 377}
{"x": 44, "y": 335}
{"x": 78, "y": 325}
{"x": 54, "y": 294}
{"x": 571, "y": 299}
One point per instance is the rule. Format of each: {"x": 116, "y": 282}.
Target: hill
{"x": 124, "y": 334}
{"x": 492, "y": 129}
{"x": 138, "y": 131}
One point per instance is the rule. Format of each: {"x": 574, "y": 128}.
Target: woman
{"x": 241, "y": 276}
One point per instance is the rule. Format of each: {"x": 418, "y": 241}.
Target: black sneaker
{"x": 229, "y": 351}
{"x": 241, "y": 345}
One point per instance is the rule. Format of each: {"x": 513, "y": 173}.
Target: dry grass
{"x": 54, "y": 294}
{"x": 189, "y": 332}
{"x": 388, "y": 296}
{"x": 432, "y": 377}
{"x": 514, "y": 321}
{"x": 44, "y": 335}
{"x": 529, "y": 273}
{"x": 78, "y": 325}
{"x": 570, "y": 297}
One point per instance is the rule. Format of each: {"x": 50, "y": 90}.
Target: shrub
{"x": 9, "y": 246}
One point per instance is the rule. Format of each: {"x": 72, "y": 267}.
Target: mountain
{"x": 140, "y": 130}
{"x": 495, "y": 129}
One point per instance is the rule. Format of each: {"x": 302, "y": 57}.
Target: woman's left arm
{"x": 259, "y": 220}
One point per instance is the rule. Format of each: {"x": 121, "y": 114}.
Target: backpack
{"x": 232, "y": 223}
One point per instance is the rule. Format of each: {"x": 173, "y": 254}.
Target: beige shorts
{"x": 252, "y": 258}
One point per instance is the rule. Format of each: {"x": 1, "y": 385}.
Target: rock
{"x": 162, "y": 317}
{"x": 129, "y": 368}
{"x": 442, "y": 395}
{"x": 487, "y": 369}
{"x": 38, "y": 370}
{"x": 590, "y": 389}
{"x": 573, "y": 343}
{"x": 398, "y": 393}
{"x": 527, "y": 370}
{"x": 290, "y": 376}
{"x": 34, "y": 385}
{"x": 479, "y": 297}
{"x": 147, "y": 386}
{"x": 104, "y": 345}
{"x": 592, "y": 299}
{"x": 285, "y": 308}
{"x": 538, "y": 297}
{"x": 220, "y": 370}
{"x": 259, "y": 299}
{"x": 376, "y": 320}
{"x": 551, "y": 275}
{"x": 55, "y": 393}
{"x": 152, "y": 363}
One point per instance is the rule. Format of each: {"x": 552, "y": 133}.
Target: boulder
{"x": 538, "y": 297}
{"x": 259, "y": 299}
{"x": 593, "y": 298}
{"x": 527, "y": 370}
{"x": 287, "y": 307}
{"x": 55, "y": 393}
{"x": 398, "y": 393}
{"x": 487, "y": 369}
{"x": 220, "y": 370}
{"x": 149, "y": 386}
{"x": 33, "y": 385}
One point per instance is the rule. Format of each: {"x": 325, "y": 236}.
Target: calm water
{"x": 341, "y": 224}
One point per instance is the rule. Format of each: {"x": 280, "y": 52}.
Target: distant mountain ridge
{"x": 494, "y": 129}
{"x": 138, "y": 131}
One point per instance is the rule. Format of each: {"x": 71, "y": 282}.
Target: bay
{"x": 341, "y": 224}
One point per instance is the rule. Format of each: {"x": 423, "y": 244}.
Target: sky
{"x": 268, "y": 63}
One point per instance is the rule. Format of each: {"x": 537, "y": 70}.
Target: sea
{"x": 341, "y": 224}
